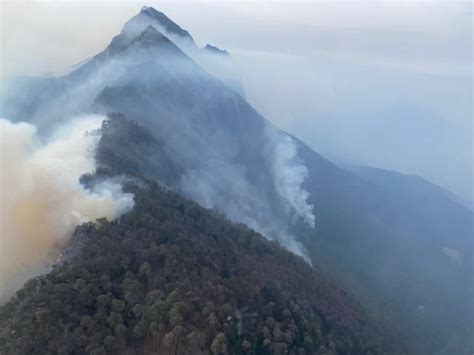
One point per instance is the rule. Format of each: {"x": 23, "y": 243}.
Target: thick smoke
{"x": 225, "y": 186}
{"x": 42, "y": 200}
{"x": 289, "y": 174}
{"x": 228, "y": 161}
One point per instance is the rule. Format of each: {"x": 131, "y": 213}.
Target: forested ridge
{"x": 389, "y": 238}
{"x": 170, "y": 277}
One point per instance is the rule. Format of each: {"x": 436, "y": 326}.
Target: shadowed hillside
{"x": 404, "y": 248}
{"x": 171, "y": 277}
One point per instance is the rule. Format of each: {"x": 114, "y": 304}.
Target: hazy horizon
{"x": 384, "y": 84}
{"x": 304, "y": 188}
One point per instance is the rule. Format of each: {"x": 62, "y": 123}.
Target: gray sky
{"x": 384, "y": 83}
{"x": 425, "y": 35}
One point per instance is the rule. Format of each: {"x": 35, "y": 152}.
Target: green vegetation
{"x": 173, "y": 278}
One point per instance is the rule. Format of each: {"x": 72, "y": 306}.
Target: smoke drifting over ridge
{"x": 271, "y": 208}
{"x": 289, "y": 174}
{"x": 232, "y": 159}
{"x": 42, "y": 200}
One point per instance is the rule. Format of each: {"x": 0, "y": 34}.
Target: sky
{"x": 380, "y": 83}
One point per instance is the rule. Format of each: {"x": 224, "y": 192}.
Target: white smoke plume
{"x": 246, "y": 205}
{"x": 289, "y": 174}
{"x": 42, "y": 200}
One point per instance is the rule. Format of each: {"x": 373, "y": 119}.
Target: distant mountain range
{"x": 401, "y": 246}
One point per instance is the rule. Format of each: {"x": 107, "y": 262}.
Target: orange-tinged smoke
{"x": 42, "y": 200}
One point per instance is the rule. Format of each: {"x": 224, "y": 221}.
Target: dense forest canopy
{"x": 171, "y": 277}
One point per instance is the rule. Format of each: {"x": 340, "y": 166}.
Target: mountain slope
{"x": 409, "y": 184}
{"x": 411, "y": 288}
{"x": 383, "y": 244}
{"x": 171, "y": 277}
{"x": 391, "y": 247}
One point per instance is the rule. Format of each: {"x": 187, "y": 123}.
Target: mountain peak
{"x": 150, "y": 11}
{"x": 151, "y": 32}
{"x": 216, "y": 50}
{"x": 150, "y": 38}
{"x": 149, "y": 16}
{"x": 148, "y": 34}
